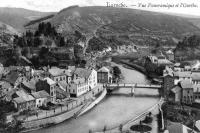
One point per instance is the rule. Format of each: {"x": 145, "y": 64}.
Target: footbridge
{"x": 135, "y": 89}
{"x": 132, "y": 85}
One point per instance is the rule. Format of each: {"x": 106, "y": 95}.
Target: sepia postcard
{"x": 100, "y": 66}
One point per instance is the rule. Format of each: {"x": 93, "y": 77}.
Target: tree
{"x": 62, "y": 42}
{"x": 116, "y": 71}
{"x": 90, "y": 131}
{"x": 120, "y": 128}
{"x": 104, "y": 129}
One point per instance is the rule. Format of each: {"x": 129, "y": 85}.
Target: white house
{"x": 41, "y": 98}
{"x": 78, "y": 87}
{"x": 92, "y": 80}
{"x": 90, "y": 76}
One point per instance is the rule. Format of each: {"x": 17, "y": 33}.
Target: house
{"x": 78, "y": 87}
{"x": 182, "y": 75}
{"x": 14, "y": 78}
{"x": 187, "y": 92}
{"x": 168, "y": 71}
{"x": 153, "y": 59}
{"x": 162, "y": 60}
{"x": 175, "y": 94}
{"x": 104, "y": 75}
{"x": 29, "y": 85}
{"x": 37, "y": 74}
{"x": 168, "y": 83}
{"x": 90, "y": 76}
{"x": 23, "y": 101}
{"x": 42, "y": 98}
{"x": 49, "y": 86}
{"x": 61, "y": 94}
{"x": 57, "y": 74}
{"x": 195, "y": 76}
{"x": 60, "y": 75}
{"x": 170, "y": 55}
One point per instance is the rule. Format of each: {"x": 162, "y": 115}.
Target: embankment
{"x": 41, "y": 123}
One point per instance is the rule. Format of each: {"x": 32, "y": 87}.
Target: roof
{"x": 26, "y": 97}
{"x": 30, "y": 84}
{"x": 161, "y": 57}
{"x": 74, "y": 83}
{"x": 186, "y": 84}
{"x": 4, "y": 84}
{"x": 196, "y": 65}
{"x": 195, "y": 76}
{"x": 182, "y": 74}
{"x": 40, "y": 94}
{"x": 63, "y": 85}
{"x": 49, "y": 81}
{"x": 19, "y": 100}
{"x": 104, "y": 69}
{"x": 12, "y": 77}
{"x": 56, "y": 71}
{"x": 169, "y": 52}
{"x": 177, "y": 64}
{"x": 176, "y": 89}
{"x": 62, "y": 92}
{"x": 81, "y": 72}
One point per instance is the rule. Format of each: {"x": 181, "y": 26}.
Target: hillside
{"x": 18, "y": 17}
{"x": 117, "y": 26}
{"x": 189, "y": 48}
{"x": 7, "y": 33}
{"x": 195, "y": 21}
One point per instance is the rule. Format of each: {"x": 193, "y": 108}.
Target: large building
{"x": 49, "y": 86}
{"x": 187, "y": 92}
{"x": 23, "y": 101}
{"x": 90, "y": 76}
{"x": 104, "y": 75}
{"x": 78, "y": 87}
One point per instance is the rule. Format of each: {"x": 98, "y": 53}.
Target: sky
{"x": 189, "y": 7}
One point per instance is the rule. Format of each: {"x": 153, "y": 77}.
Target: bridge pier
{"x": 132, "y": 91}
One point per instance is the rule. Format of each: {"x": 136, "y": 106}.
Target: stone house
{"x": 41, "y": 98}
{"x": 104, "y": 75}
{"x": 23, "y": 101}
{"x": 78, "y": 87}
{"x": 49, "y": 86}
{"x": 187, "y": 92}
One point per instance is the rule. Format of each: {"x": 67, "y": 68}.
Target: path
{"x": 126, "y": 126}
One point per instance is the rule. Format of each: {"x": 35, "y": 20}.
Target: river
{"x": 112, "y": 111}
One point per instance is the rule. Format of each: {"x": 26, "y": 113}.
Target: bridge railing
{"x": 131, "y": 85}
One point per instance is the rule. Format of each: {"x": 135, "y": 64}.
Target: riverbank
{"x": 153, "y": 77}
{"x": 126, "y": 126}
{"x": 64, "y": 114}
{"x": 94, "y": 103}
{"x": 46, "y": 122}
